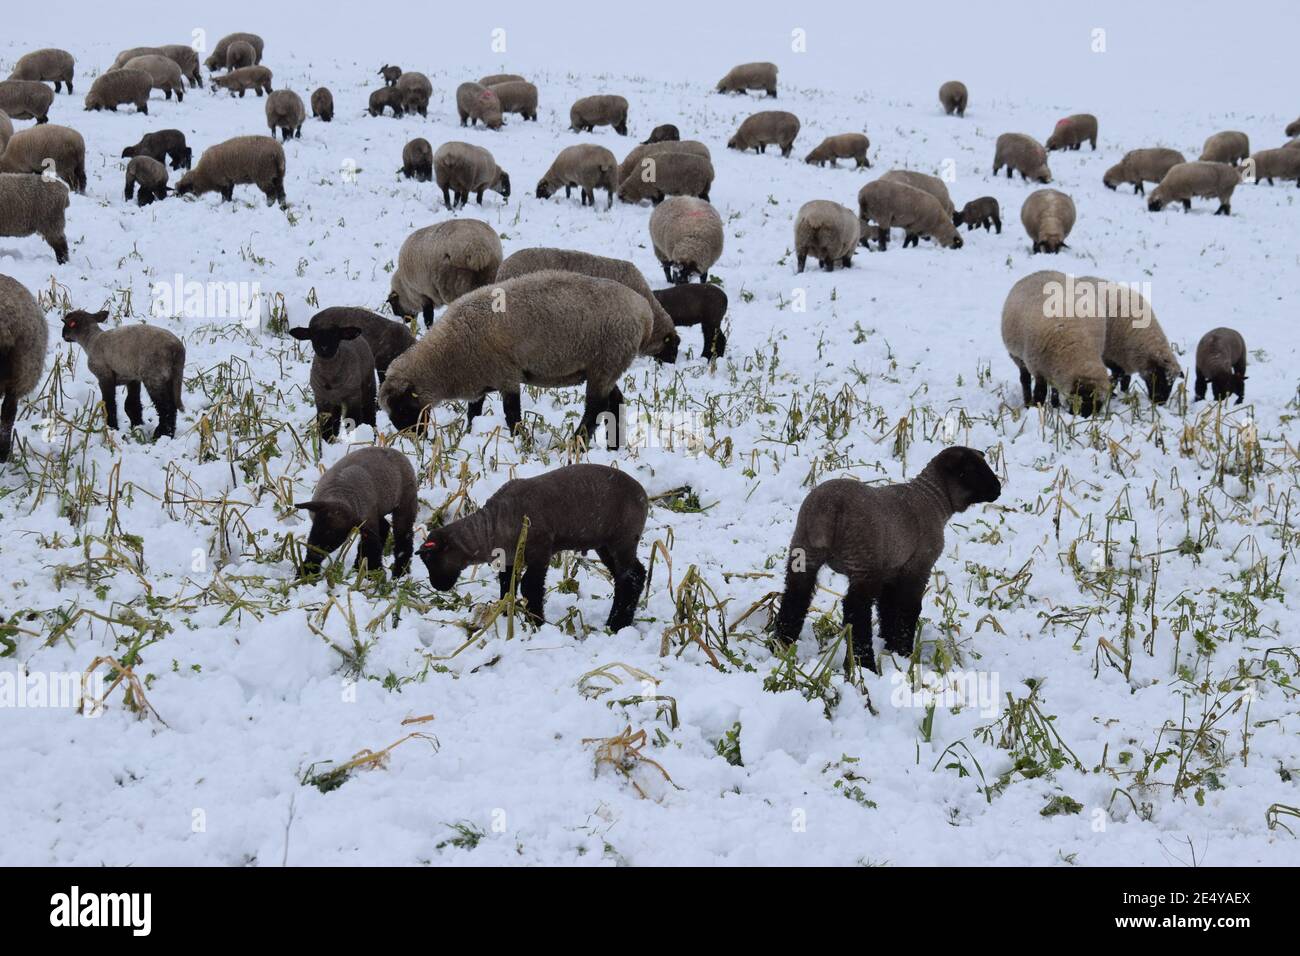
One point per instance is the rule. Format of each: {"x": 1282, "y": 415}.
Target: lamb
{"x": 1141, "y": 166}
{"x": 150, "y": 175}
{"x": 6, "y": 131}
{"x": 1221, "y": 364}
{"x": 1048, "y": 216}
{"x": 610, "y": 522}
{"x": 1293, "y": 128}
{"x": 687, "y": 237}
{"x": 417, "y": 160}
{"x": 637, "y": 156}
{"x": 827, "y": 231}
{"x": 461, "y": 168}
{"x": 285, "y": 112}
{"x": 342, "y": 377}
{"x": 26, "y": 99}
{"x": 1207, "y": 180}
{"x": 1135, "y": 342}
{"x": 885, "y": 540}
{"x": 667, "y": 133}
{"x": 241, "y": 54}
{"x": 1073, "y": 131}
{"x": 852, "y": 146}
{"x": 360, "y": 491}
{"x": 592, "y": 111}
{"x": 115, "y": 87}
{"x": 438, "y": 264}
{"x": 496, "y": 78}
{"x": 162, "y": 145}
{"x": 890, "y": 203}
{"x": 749, "y": 76}
{"x": 953, "y": 96}
{"x": 322, "y": 104}
{"x": 764, "y": 128}
{"x": 179, "y": 53}
{"x": 672, "y": 174}
{"x": 556, "y": 329}
{"x": 385, "y": 96}
{"x": 252, "y": 160}
{"x": 704, "y": 305}
{"x": 132, "y": 355}
{"x": 416, "y": 90}
{"x": 47, "y": 65}
{"x": 217, "y": 58}
{"x": 1022, "y": 154}
{"x": 255, "y": 78}
{"x": 1270, "y": 164}
{"x": 1230, "y": 146}
{"x": 517, "y": 96}
{"x": 924, "y": 182}
{"x": 587, "y": 166}
{"x": 476, "y": 104}
{"x": 387, "y": 339}
{"x": 23, "y": 334}
{"x": 32, "y": 205}
{"x": 391, "y": 74}
{"x": 979, "y": 212}
{"x": 661, "y": 340}
{"x": 164, "y": 73}
{"x": 31, "y": 149}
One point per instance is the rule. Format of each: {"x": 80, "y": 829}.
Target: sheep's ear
{"x": 312, "y": 506}
{"x": 349, "y": 332}
{"x": 429, "y": 547}
{"x": 101, "y": 316}
{"x": 302, "y": 333}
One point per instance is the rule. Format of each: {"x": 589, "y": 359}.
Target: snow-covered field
{"x": 1117, "y": 622}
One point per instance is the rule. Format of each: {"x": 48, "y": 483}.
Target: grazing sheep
{"x": 150, "y": 175}
{"x": 438, "y": 264}
{"x": 1221, "y": 364}
{"x": 1135, "y": 342}
{"x": 475, "y": 103}
{"x": 31, "y": 149}
{"x": 342, "y": 377}
{"x": 1230, "y": 146}
{"x": 132, "y": 355}
{"x": 924, "y": 182}
{"x": 255, "y": 78}
{"x": 23, "y": 333}
{"x": 517, "y": 96}
{"x": 890, "y": 203}
{"x": 26, "y": 99}
{"x": 828, "y": 232}
{"x": 240, "y": 54}
{"x": 661, "y": 339}
{"x": 6, "y": 131}
{"x": 703, "y": 305}
{"x": 391, "y": 74}
{"x": 164, "y": 73}
{"x": 610, "y": 522}
{"x": 285, "y": 112}
{"x": 33, "y": 205}
{"x": 1270, "y": 164}
{"x": 322, "y": 104}
{"x": 416, "y": 90}
{"x": 1048, "y": 216}
{"x": 885, "y": 540}
{"x": 49, "y": 65}
{"x": 360, "y": 491}
{"x": 1206, "y": 180}
{"x": 954, "y": 97}
{"x": 852, "y": 146}
{"x": 252, "y": 160}
{"x": 496, "y": 78}
{"x": 546, "y": 329}
{"x": 637, "y": 156}
{"x": 749, "y": 76}
{"x": 587, "y": 166}
{"x": 387, "y": 338}
{"x": 182, "y": 55}
{"x": 385, "y": 96}
{"x": 217, "y": 58}
{"x": 667, "y": 133}
{"x": 1073, "y": 131}
{"x": 687, "y": 237}
{"x": 417, "y": 160}
{"x": 1022, "y": 154}
{"x": 1141, "y": 166}
{"x": 672, "y": 174}
{"x": 461, "y": 169}
{"x": 980, "y": 212}
{"x": 592, "y": 111}
{"x": 162, "y": 145}
{"x": 110, "y": 90}
{"x": 766, "y": 127}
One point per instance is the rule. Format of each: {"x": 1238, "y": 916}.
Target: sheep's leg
{"x": 60, "y": 246}
{"x": 478, "y": 197}
{"x": 1239, "y": 380}
{"x": 1025, "y": 385}
{"x": 629, "y": 580}
{"x": 668, "y": 272}
{"x": 8, "y": 412}
{"x": 134, "y": 410}
{"x": 426, "y": 309}
{"x": 800, "y": 581}
{"x": 446, "y": 197}
{"x": 803, "y": 258}
{"x": 900, "y": 609}
{"x": 1040, "y": 390}
{"x": 1201, "y": 383}
{"x": 568, "y": 190}
{"x": 533, "y": 590}
{"x": 1225, "y": 209}
{"x": 403, "y": 539}
{"x": 714, "y": 341}
{"x": 998, "y": 223}
{"x": 474, "y": 411}
{"x": 513, "y": 411}
{"x": 108, "y": 392}
{"x": 846, "y": 262}
{"x": 370, "y": 549}
{"x": 596, "y": 404}
{"x": 857, "y": 617}
{"x": 1056, "y": 398}
{"x": 1187, "y": 205}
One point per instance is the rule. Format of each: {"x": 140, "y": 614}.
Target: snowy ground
{"x": 1136, "y": 572}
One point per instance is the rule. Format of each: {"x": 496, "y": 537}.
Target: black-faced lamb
{"x": 115, "y": 87}
{"x": 1022, "y": 154}
{"x": 162, "y": 145}
{"x": 587, "y": 166}
{"x": 893, "y": 204}
{"x": 23, "y": 334}
{"x": 462, "y": 169}
{"x": 953, "y": 96}
{"x": 386, "y": 337}
{"x": 517, "y": 96}
{"x": 440, "y": 263}
{"x": 416, "y": 90}
{"x": 687, "y": 237}
{"x": 217, "y": 58}
{"x": 30, "y": 150}
{"x": 391, "y": 74}
{"x": 980, "y": 212}
{"x": 1221, "y": 364}
{"x": 1270, "y": 164}
{"x": 33, "y": 205}
{"x": 667, "y": 133}
{"x": 164, "y": 73}
{"x": 342, "y": 377}
{"x": 251, "y": 160}
{"x": 704, "y": 305}
{"x": 749, "y": 76}
{"x": 1206, "y": 180}
{"x": 1048, "y": 216}
{"x": 852, "y": 146}
{"x": 605, "y": 110}
{"x": 150, "y": 175}
{"x": 285, "y": 111}
{"x": 475, "y": 103}
{"x": 417, "y": 160}
{"x": 48, "y": 65}
{"x": 26, "y": 99}
{"x": 768, "y": 127}
{"x": 1230, "y": 146}
{"x": 322, "y": 104}
{"x": 826, "y": 231}
{"x": 669, "y": 174}
{"x": 386, "y": 97}
{"x": 1072, "y": 132}
{"x": 1141, "y": 166}
{"x": 238, "y": 82}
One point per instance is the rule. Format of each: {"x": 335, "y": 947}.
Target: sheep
{"x": 387, "y": 339}
{"x": 766, "y": 127}
{"x": 150, "y": 175}
{"x": 885, "y": 540}
{"x": 1048, "y": 216}
{"x": 162, "y": 145}
{"x": 440, "y": 263}
{"x": 496, "y": 78}
{"x": 255, "y": 78}
{"x": 240, "y": 54}
{"x": 115, "y": 87}
{"x": 1073, "y": 131}
{"x": 749, "y": 76}
{"x": 416, "y": 90}
{"x": 1221, "y": 364}
{"x": 1058, "y": 350}
{"x": 1022, "y": 154}
{"x": 251, "y": 160}
{"x": 391, "y": 74}
{"x": 47, "y": 65}
{"x": 26, "y": 99}
{"x": 1230, "y": 146}
{"x": 637, "y": 156}
{"x": 890, "y": 203}
{"x": 687, "y": 237}
{"x": 1141, "y": 166}
{"x": 32, "y": 149}
{"x": 132, "y": 355}
{"x": 342, "y": 377}
{"x": 32, "y": 205}
{"x": 1270, "y": 164}
{"x": 461, "y": 169}
{"x": 417, "y": 160}
{"x": 217, "y": 58}
{"x": 672, "y": 174}
{"x": 592, "y": 111}
{"x": 587, "y": 166}
{"x": 546, "y": 329}
{"x": 517, "y": 96}
{"x": 610, "y": 522}
{"x": 980, "y": 212}
{"x": 667, "y": 133}
{"x": 23, "y": 334}
{"x": 475, "y": 103}
{"x": 703, "y": 305}
{"x": 360, "y": 491}
{"x": 954, "y": 97}
{"x": 1293, "y": 128}
{"x": 182, "y": 55}
{"x": 1207, "y": 180}
{"x": 163, "y": 72}
{"x": 852, "y": 146}
{"x": 322, "y": 104}
{"x": 827, "y": 231}
{"x": 385, "y": 96}
{"x": 924, "y": 182}
{"x": 1135, "y": 342}
{"x": 661, "y": 339}
{"x": 6, "y": 131}
{"x": 285, "y": 112}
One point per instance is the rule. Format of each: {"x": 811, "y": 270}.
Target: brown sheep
{"x": 1022, "y": 154}
{"x": 852, "y": 146}
{"x": 764, "y": 128}
{"x": 1141, "y": 166}
{"x": 1073, "y": 131}
{"x": 49, "y": 65}
{"x": 953, "y": 96}
{"x": 1221, "y": 364}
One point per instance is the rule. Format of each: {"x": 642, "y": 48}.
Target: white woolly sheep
{"x": 749, "y": 76}
{"x": 440, "y": 263}
{"x": 1022, "y": 154}
{"x": 23, "y": 334}
{"x": 894, "y": 204}
{"x": 461, "y": 169}
{"x": 592, "y": 111}
{"x": 31, "y": 149}
{"x": 150, "y": 175}
{"x": 1207, "y": 180}
{"x": 1072, "y": 132}
{"x": 761, "y": 129}
{"x": 828, "y": 232}
{"x": 49, "y": 65}
{"x": 687, "y": 237}
{"x": 852, "y": 146}
{"x": 1141, "y": 166}
{"x": 251, "y": 160}
{"x": 1048, "y": 216}
{"x": 33, "y": 205}
{"x": 587, "y": 166}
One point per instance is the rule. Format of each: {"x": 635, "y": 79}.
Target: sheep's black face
{"x": 325, "y": 342}
{"x": 543, "y": 191}
{"x": 1159, "y": 384}
{"x": 667, "y": 353}
{"x": 503, "y": 187}
{"x": 331, "y": 523}
{"x": 1109, "y": 185}
{"x": 1154, "y": 205}
{"x": 128, "y": 152}
{"x": 76, "y": 323}
{"x": 957, "y": 242}
{"x": 967, "y": 476}
{"x": 403, "y": 406}
{"x": 958, "y": 218}
{"x": 443, "y": 560}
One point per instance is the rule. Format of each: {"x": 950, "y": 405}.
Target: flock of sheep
{"x": 556, "y": 318}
